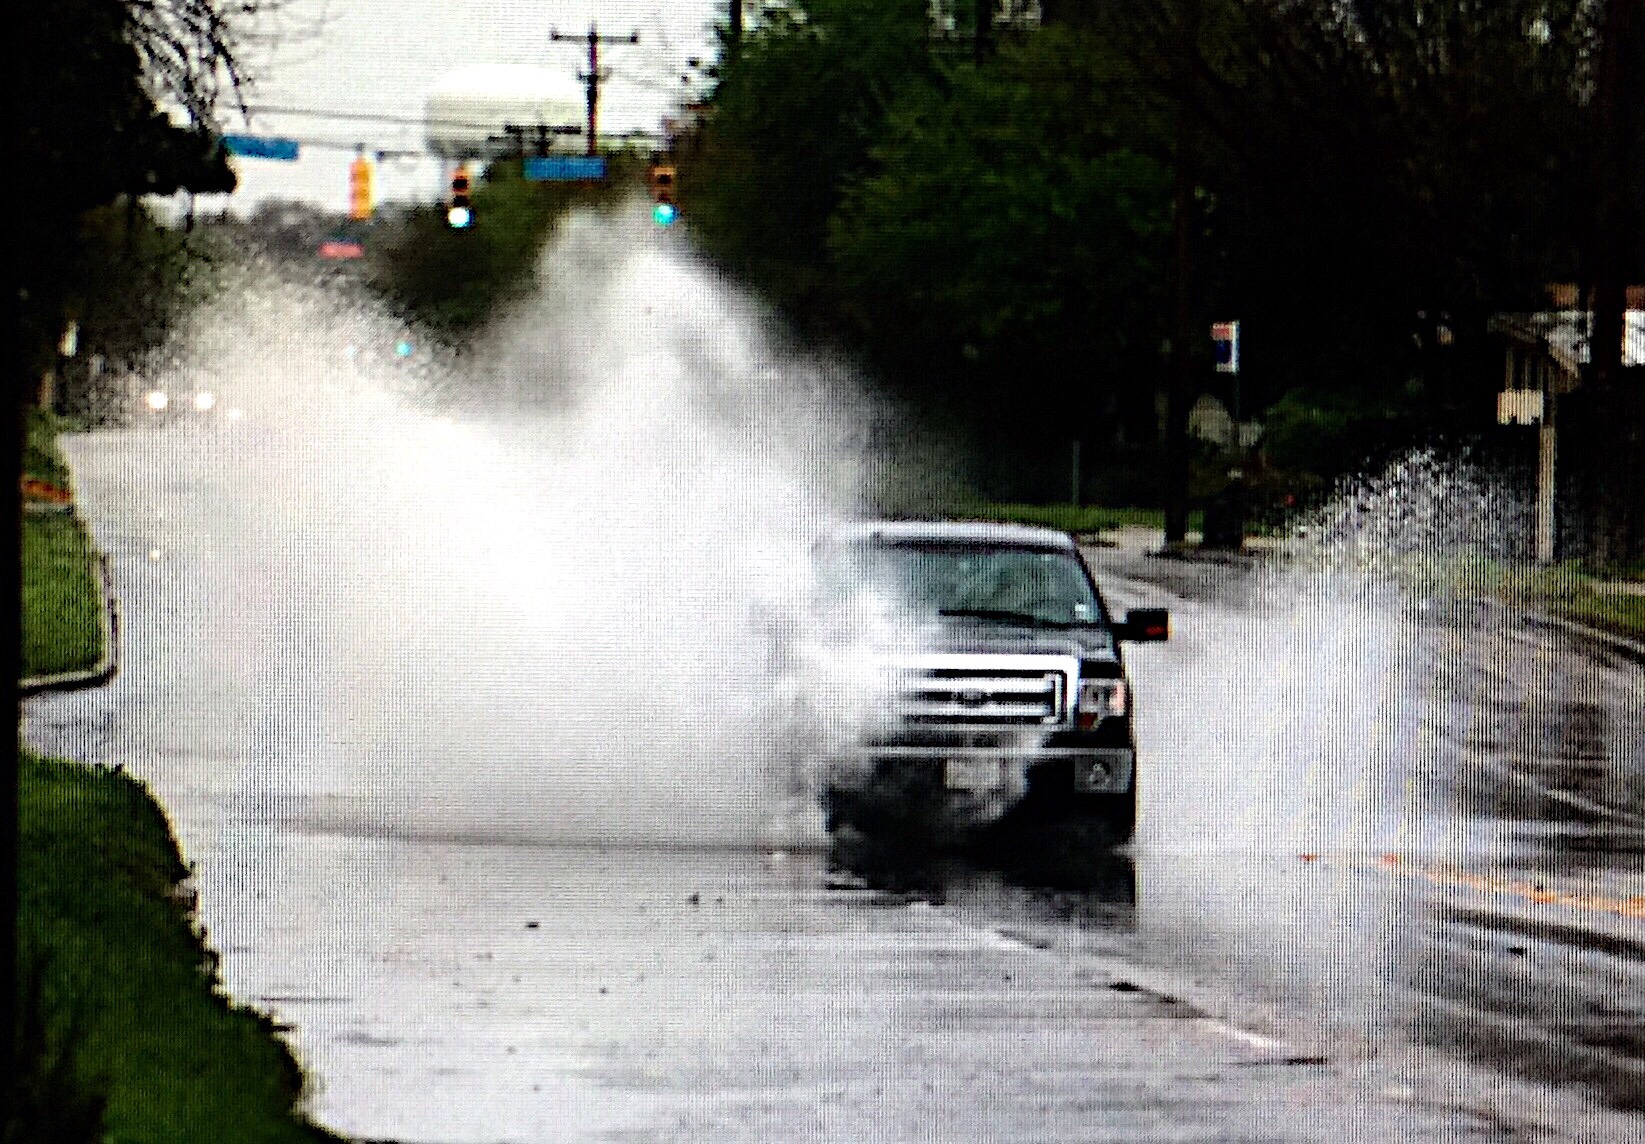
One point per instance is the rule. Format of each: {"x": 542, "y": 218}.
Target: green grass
{"x": 1068, "y": 517}
{"x": 1568, "y": 590}
{"x": 42, "y": 459}
{"x": 127, "y": 1013}
{"x": 1624, "y": 615}
{"x": 61, "y": 598}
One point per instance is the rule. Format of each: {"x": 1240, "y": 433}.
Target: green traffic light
{"x": 664, "y": 213}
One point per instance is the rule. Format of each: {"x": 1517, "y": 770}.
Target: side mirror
{"x": 1145, "y": 625}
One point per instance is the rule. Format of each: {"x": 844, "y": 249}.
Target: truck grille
{"x": 1028, "y": 696}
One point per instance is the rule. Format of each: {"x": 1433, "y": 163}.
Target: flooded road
{"x": 460, "y": 720}
{"x": 453, "y": 976}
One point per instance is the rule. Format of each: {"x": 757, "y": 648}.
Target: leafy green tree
{"x": 452, "y": 281}
{"x": 91, "y": 131}
{"x": 795, "y": 113}
{"x": 1013, "y": 229}
{"x": 1381, "y": 174}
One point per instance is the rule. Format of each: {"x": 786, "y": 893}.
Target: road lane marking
{"x": 1536, "y": 893}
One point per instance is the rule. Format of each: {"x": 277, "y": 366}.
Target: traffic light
{"x": 359, "y": 190}
{"x": 664, "y": 208}
{"x": 460, "y": 212}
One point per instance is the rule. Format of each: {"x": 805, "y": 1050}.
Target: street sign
{"x": 1225, "y": 346}
{"x": 564, "y": 168}
{"x": 261, "y": 147}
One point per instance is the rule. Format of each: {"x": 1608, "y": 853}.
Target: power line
{"x": 370, "y": 117}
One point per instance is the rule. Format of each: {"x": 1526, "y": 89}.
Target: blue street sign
{"x": 564, "y": 168}
{"x": 261, "y": 147}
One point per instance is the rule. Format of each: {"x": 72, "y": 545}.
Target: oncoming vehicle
{"x": 164, "y": 404}
{"x": 988, "y": 673}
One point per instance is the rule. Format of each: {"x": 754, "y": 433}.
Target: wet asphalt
{"x": 1471, "y": 967}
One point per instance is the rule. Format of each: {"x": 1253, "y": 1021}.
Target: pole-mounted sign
{"x": 1225, "y": 346}
{"x": 565, "y": 168}
{"x": 261, "y": 147}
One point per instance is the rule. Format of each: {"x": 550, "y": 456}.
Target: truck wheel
{"x": 1121, "y": 814}
{"x": 1115, "y": 814}
{"x": 841, "y": 811}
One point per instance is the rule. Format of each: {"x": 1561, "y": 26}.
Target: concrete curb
{"x": 107, "y": 667}
{"x": 1629, "y": 649}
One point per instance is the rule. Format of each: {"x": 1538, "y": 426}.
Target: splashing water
{"x": 529, "y": 593}
{"x": 1306, "y": 740}
{"x": 1317, "y": 715}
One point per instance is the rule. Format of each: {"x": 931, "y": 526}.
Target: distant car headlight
{"x": 1101, "y": 699}
{"x": 203, "y": 401}
{"x": 157, "y": 399}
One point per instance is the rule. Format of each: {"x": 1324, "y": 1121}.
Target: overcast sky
{"x": 385, "y": 56}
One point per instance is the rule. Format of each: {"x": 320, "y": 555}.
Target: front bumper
{"x": 1076, "y": 770}
{"x": 1060, "y": 764}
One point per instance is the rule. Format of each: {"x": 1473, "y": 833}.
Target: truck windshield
{"x": 1020, "y": 585}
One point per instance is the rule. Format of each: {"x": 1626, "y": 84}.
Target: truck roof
{"x": 954, "y": 532}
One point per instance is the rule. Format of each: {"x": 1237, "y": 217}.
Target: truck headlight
{"x": 1101, "y": 699}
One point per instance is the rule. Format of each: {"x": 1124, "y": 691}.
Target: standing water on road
{"x": 392, "y": 611}
{"x": 1348, "y": 743}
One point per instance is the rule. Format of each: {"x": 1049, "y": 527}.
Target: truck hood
{"x": 985, "y": 638}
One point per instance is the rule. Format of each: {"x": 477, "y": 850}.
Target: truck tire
{"x": 1121, "y": 814}
{"x": 1114, "y": 814}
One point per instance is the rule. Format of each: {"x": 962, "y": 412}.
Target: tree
{"x": 1011, "y": 231}
{"x": 1608, "y": 426}
{"x": 1377, "y": 177}
{"x": 795, "y": 112}
{"x": 93, "y": 78}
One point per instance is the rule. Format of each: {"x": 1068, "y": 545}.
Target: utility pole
{"x": 734, "y": 27}
{"x": 1613, "y": 421}
{"x": 983, "y": 38}
{"x": 10, "y": 764}
{"x": 594, "y": 76}
{"x": 1183, "y": 326}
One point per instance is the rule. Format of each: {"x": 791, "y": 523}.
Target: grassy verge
{"x": 123, "y": 1032}
{"x": 42, "y": 460}
{"x": 1067, "y": 517}
{"x": 61, "y": 598}
{"x": 124, "y": 1029}
{"x": 1568, "y": 590}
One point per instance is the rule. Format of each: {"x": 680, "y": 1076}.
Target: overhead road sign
{"x": 261, "y": 147}
{"x": 565, "y": 168}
